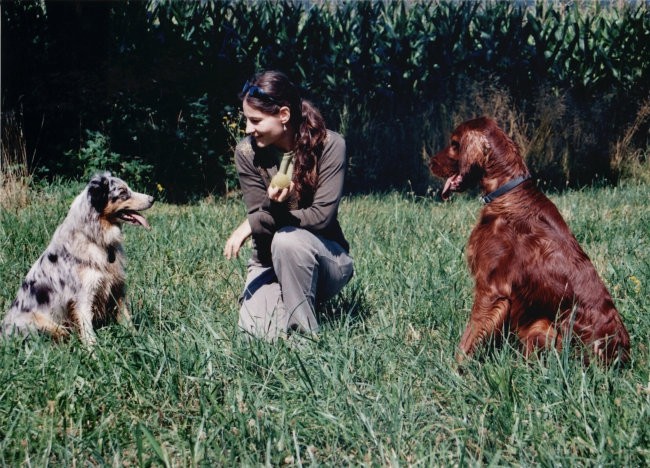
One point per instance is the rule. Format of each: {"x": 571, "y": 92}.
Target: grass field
{"x": 379, "y": 385}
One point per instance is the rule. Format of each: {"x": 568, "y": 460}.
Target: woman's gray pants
{"x": 307, "y": 269}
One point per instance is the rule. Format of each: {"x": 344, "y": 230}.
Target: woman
{"x": 300, "y": 256}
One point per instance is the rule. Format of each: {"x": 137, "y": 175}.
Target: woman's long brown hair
{"x": 278, "y": 91}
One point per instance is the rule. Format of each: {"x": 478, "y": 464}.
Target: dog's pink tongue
{"x": 451, "y": 184}
{"x": 141, "y": 220}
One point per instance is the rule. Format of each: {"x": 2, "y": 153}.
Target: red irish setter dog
{"x": 531, "y": 275}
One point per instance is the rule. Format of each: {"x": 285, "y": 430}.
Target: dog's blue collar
{"x": 505, "y": 188}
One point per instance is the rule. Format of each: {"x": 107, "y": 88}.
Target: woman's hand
{"x": 279, "y": 195}
{"x": 236, "y": 240}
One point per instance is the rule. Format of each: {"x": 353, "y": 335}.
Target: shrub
{"x": 96, "y": 156}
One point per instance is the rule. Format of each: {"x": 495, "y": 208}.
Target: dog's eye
{"x": 455, "y": 145}
{"x": 120, "y": 194}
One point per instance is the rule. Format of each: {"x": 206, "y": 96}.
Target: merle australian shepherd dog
{"x": 78, "y": 283}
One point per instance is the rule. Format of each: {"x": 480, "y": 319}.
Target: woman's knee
{"x": 292, "y": 242}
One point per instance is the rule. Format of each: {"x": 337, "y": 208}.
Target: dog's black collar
{"x": 505, "y": 188}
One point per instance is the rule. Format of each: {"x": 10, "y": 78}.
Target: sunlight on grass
{"x": 378, "y": 386}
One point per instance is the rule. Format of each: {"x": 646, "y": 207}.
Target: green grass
{"x": 379, "y": 386}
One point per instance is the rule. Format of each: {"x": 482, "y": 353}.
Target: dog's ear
{"x": 474, "y": 148}
{"x": 98, "y": 191}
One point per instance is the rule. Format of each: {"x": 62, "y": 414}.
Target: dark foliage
{"x": 154, "y": 81}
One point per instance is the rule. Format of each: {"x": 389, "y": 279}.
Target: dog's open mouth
{"x": 133, "y": 217}
{"x": 452, "y": 184}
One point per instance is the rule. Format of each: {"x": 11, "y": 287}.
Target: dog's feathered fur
{"x": 79, "y": 282}
{"x": 531, "y": 275}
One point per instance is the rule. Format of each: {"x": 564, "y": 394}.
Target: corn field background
{"x": 149, "y": 89}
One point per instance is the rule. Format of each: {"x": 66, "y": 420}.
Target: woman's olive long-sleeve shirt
{"x": 256, "y": 166}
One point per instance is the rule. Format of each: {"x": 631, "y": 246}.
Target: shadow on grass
{"x": 350, "y": 306}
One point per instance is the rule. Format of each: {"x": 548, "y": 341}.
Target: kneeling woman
{"x": 300, "y": 256}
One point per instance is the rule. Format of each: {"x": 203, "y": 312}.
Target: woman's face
{"x": 267, "y": 129}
